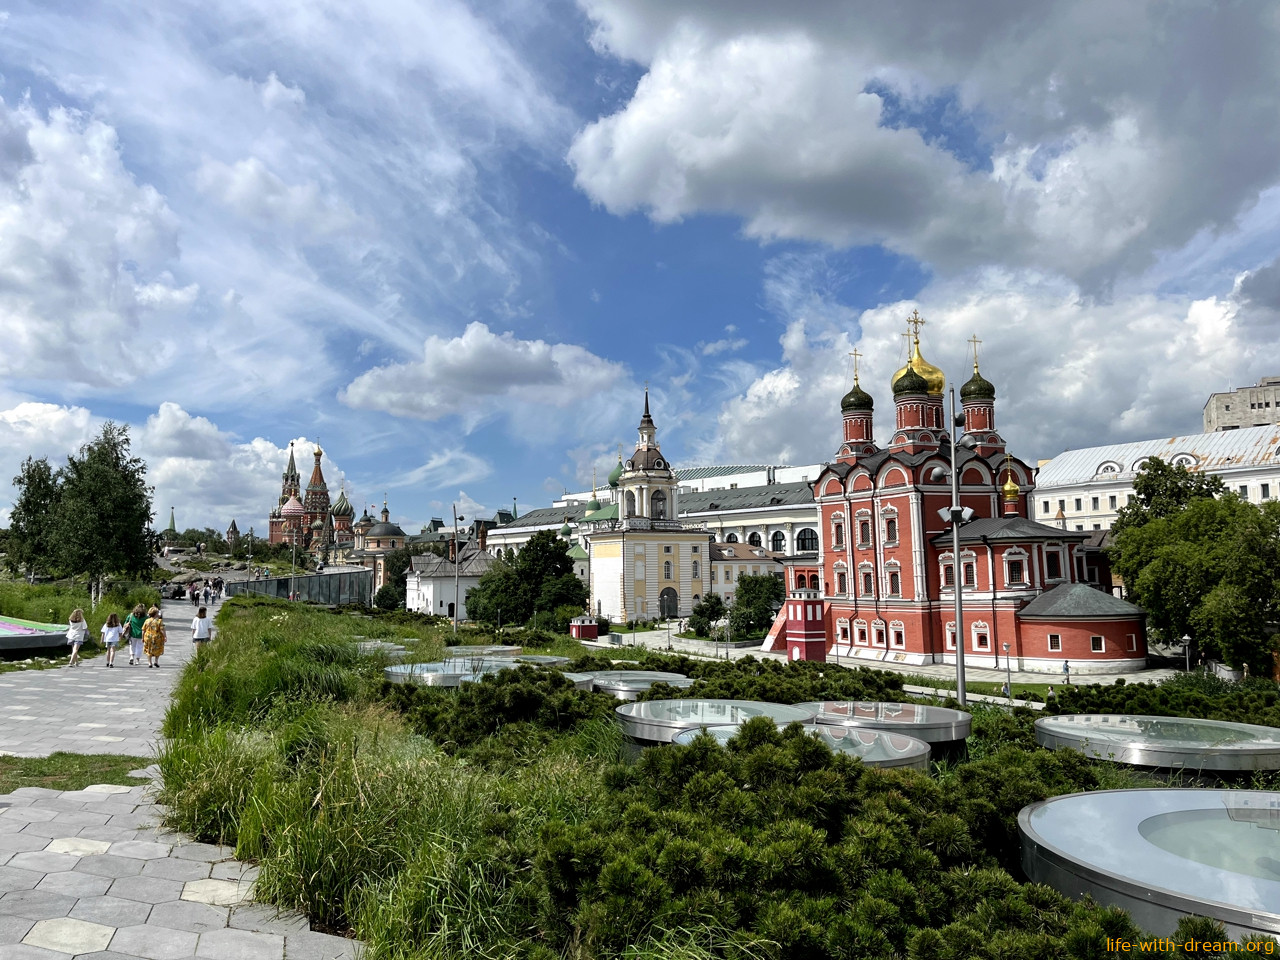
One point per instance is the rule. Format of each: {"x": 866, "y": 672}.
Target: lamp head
{"x": 937, "y": 474}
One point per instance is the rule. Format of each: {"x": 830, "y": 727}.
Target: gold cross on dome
{"x": 856, "y": 357}
{"x": 975, "y": 341}
{"x": 915, "y": 322}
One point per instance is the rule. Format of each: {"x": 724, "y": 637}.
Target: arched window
{"x": 659, "y": 501}
{"x": 891, "y": 531}
{"x": 778, "y": 542}
{"x": 813, "y": 582}
{"x": 969, "y": 575}
{"x": 895, "y": 584}
{"x": 949, "y": 575}
{"x": 731, "y": 538}
{"x": 666, "y": 570}
{"x": 807, "y": 541}
{"x": 842, "y": 584}
{"x": 754, "y": 539}
{"x": 866, "y": 584}
{"x": 696, "y": 570}
{"x": 631, "y": 503}
{"x": 837, "y": 534}
{"x": 864, "y": 532}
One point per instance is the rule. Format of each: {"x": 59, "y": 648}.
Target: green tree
{"x": 32, "y": 539}
{"x": 706, "y": 612}
{"x": 1160, "y": 490}
{"x": 1207, "y": 571}
{"x": 388, "y": 597}
{"x": 104, "y": 512}
{"x": 397, "y": 563}
{"x": 754, "y": 602}
{"x": 539, "y": 577}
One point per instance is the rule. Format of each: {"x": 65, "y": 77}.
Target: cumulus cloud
{"x": 1070, "y": 371}
{"x": 260, "y": 196}
{"x": 84, "y": 251}
{"x": 481, "y": 374}
{"x": 1096, "y": 138}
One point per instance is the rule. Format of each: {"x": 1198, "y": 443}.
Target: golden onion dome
{"x": 1010, "y": 488}
{"x": 935, "y": 378}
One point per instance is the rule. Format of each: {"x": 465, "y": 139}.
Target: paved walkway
{"x": 92, "y": 873}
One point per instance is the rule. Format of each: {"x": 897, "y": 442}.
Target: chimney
{"x": 482, "y": 531}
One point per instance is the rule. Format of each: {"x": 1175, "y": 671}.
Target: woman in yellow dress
{"x": 153, "y": 637}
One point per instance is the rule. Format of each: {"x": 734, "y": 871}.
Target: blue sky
{"x": 452, "y": 242}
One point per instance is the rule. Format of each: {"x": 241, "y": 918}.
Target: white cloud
{"x": 725, "y": 345}
{"x": 274, "y": 93}
{"x": 482, "y": 374}
{"x": 258, "y": 195}
{"x": 446, "y": 467}
{"x": 1113, "y": 135}
{"x": 1069, "y": 371}
{"x": 84, "y": 252}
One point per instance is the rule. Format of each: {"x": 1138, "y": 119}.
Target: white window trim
{"x": 1102, "y": 647}
{"x": 897, "y": 626}
{"x": 1052, "y": 638}
{"x": 861, "y": 636}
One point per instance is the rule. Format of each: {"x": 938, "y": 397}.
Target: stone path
{"x": 92, "y": 873}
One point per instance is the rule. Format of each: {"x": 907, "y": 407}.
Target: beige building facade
{"x": 1256, "y": 406}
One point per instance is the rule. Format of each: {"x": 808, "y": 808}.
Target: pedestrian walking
{"x": 201, "y": 629}
{"x": 133, "y": 625}
{"x": 77, "y": 633}
{"x": 111, "y": 633}
{"x": 1066, "y": 672}
{"x": 153, "y": 637}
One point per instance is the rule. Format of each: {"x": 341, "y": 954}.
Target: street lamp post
{"x": 1186, "y": 649}
{"x": 457, "y": 558}
{"x": 956, "y": 515}
{"x": 1008, "y": 672}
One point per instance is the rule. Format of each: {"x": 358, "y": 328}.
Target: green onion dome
{"x": 566, "y": 531}
{"x": 978, "y": 388}
{"x": 615, "y": 474}
{"x": 910, "y": 382}
{"x": 857, "y": 399}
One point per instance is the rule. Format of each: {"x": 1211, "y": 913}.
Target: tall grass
{"x": 53, "y": 602}
{"x": 280, "y": 747}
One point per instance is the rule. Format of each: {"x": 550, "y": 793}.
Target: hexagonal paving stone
{"x": 13, "y": 879}
{"x": 208, "y": 852}
{"x": 77, "y": 846}
{"x": 13, "y": 929}
{"x": 75, "y": 884}
{"x": 114, "y": 911}
{"x": 69, "y": 936}
{"x": 107, "y": 788}
{"x": 43, "y": 861}
{"x": 183, "y": 870}
{"x": 188, "y": 915}
{"x": 318, "y": 946}
{"x": 220, "y": 892}
{"x": 140, "y": 850}
{"x": 108, "y": 865}
{"x": 146, "y": 889}
{"x": 36, "y": 904}
{"x": 240, "y": 945}
{"x": 154, "y": 943}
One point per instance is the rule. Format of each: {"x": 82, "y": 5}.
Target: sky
{"x": 452, "y": 242}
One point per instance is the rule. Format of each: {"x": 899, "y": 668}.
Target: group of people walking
{"x": 142, "y": 631}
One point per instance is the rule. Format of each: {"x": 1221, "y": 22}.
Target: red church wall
{"x": 1123, "y": 640}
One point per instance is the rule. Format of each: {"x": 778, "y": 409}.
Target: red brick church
{"x": 886, "y": 563}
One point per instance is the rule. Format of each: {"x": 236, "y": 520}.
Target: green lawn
{"x": 68, "y": 771}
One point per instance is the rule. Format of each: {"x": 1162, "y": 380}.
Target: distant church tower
{"x": 647, "y": 485}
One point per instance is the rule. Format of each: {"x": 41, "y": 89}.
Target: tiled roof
{"x": 1077, "y": 601}
{"x": 738, "y": 552}
{"x": 473, "y": 563}
{"x": 746, "y": 498}
{"x": 1212, "y": 452}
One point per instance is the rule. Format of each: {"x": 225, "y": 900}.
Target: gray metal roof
{"x": 701, "y": 473}
{"x": 1210, "y": 452}
{"x": 747, "y": 498}
{"x": 548, "y": 517}
{"x": 1077, "y": 600}
{"x": 1003, "y": 529}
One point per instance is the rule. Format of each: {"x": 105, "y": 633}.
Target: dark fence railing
{"x": 331, "y": 588}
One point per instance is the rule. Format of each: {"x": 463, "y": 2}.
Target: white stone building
{"x": 1082, "y": 490}
{"x": 430, "y": 586}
